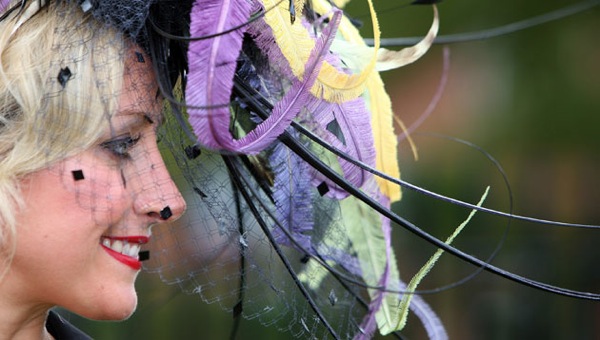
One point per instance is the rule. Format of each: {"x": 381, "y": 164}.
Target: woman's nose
{"x": 156, "y": 195}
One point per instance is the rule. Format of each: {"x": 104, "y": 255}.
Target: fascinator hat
{"x": 270, "y": 89}
{"x": 281, "y": 137}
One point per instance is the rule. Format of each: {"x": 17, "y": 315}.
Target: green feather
{"x": 405, "y": 303}
{"x": 363, "y": 227}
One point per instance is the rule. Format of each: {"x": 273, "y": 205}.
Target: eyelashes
{"x": 121, "y": 146}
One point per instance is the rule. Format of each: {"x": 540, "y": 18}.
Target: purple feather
{"x": 3, "y": 5}
{"x": 354, "y": 137}
{"x": 293, "y": 101}
{"x": 212, "y": 64}
{"x": 217, "y": 136}
{"x": 262, "y": 34}
{"x": 431, "y": 322}
{"x": 294, "y": 201}
{"x": 355, "y": 124}
{"x": 354, "y": 134}
{"x": 293, "y": 197}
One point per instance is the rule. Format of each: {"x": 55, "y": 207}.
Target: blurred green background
{"x": 531, "y": 99}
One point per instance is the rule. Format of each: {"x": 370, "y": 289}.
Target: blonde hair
{"x": 60, "y": 74}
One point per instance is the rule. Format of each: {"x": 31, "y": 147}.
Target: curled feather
{"x": 212, "y": 64}
{"x": 288, "y": 107}
{"x": 294, "y": 100}
{"x": 388, "y": 60}
{"x": 431, "y": 322}
{"x": 358, "y": 54}
{"x": 347, "y": 127}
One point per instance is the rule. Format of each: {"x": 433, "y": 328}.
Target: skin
{"x": 59, "y": 259}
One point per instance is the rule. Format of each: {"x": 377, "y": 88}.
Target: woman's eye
{"x": 120, "y": 147}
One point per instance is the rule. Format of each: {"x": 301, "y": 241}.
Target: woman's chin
{"x": 116, "y": 308}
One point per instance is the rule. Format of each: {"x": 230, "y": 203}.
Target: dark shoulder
{"x": 60, "y": 329}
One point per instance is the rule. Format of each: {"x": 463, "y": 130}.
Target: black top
{"x": 62, "y": 330}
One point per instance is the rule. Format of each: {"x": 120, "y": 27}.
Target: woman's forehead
{"x": 138, "y": 71}
{"x": 140, "y": 93}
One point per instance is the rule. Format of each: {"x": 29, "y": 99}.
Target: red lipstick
{"x": 130, "y": 259}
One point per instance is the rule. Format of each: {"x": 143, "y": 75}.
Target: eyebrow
{"x": 148, "y": 118}
{"x": 157, "y": 119}
{"x": 131, "y": 120}
{"x": 142, "y": 116}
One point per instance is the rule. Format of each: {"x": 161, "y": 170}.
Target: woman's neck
{"x": 20, "y": 318}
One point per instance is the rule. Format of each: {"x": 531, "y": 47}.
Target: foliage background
{"x": 532, "y": 100}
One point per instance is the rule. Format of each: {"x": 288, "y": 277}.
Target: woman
{"x": 286, "y": 228}
{"x": 82, "y": 179}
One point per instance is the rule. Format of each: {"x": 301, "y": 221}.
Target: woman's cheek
{"x": 97, "y": 187}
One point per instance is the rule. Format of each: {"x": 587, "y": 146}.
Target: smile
{"x": 125, "y": 249}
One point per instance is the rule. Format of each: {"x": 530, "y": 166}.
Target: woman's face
{"x": 77, "y": 239}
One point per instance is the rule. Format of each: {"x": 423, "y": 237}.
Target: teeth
{"x": 126, "y": 248}
{"x": 117, "y": 246}
{"x": 134, "y": 250}
{"x": 123, "y": 247}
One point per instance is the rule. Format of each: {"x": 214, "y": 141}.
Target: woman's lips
{"x": 125, "y": 249}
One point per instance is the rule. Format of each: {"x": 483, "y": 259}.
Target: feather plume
{"x": 295, "y": 41}
{"x": 355, "y": 52}
{"x": 388, "y": 311}
{"x": 212, "y": 64}
{"x": 388, "y": 60}
{"x": 327, "y": 245}
{"x": 291, "y": 104}
{"x": 292, "y": 194}
{"x": 383, "y": 133}
{"x": 212, "y": 124}
{"x": 345, "y": 87}
{"x": 262, "y": 36}
{"x": 347, "y": 127}
{"x": 371, "y": 237}
{"x": 380, "y": 106}
{"x": 353, "y": 120}
{"x": 359, "y": 54}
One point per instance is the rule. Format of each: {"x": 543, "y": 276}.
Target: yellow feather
{"x": 380, "y": 107}
{"x": 350, "y": 86}
{"x": 379, "y": 102}
{"x": 347, "y": 29}
{"x": 292, "y": 39}
{"x": 384, "y": 137}
{"x": 296, "y": 44}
